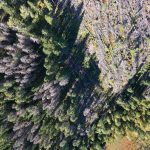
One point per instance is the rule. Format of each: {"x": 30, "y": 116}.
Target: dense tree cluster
{"x": 50, "y": 92}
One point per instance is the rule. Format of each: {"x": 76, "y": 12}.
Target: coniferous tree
{"x": 50, "y": 95}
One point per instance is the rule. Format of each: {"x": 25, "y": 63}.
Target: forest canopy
{"x": 74, "y": 76}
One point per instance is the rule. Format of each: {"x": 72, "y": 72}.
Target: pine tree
{"x": 49, "y": 87}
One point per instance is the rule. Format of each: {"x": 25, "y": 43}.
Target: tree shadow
{"x": 71, "y": 116}
{"x": 78, "y": 94}
{"x": 134, "y": 87}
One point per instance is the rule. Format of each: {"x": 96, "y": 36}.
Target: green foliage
{"x": 48, "y": 84}
{"x": 48, "y": 19}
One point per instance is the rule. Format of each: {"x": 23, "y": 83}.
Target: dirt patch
{"x": 122, "y": 144}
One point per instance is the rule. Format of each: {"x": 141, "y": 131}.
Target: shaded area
{"x": 64, "y": 107}
{"x": 48, "y": 113}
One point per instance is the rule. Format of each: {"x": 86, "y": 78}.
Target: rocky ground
{"x": 119, "y": 36}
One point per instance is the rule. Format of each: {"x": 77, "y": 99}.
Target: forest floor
{"x": 122, "y": 144}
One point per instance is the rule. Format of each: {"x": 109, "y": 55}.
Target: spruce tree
{"x": 51, "y": 93}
